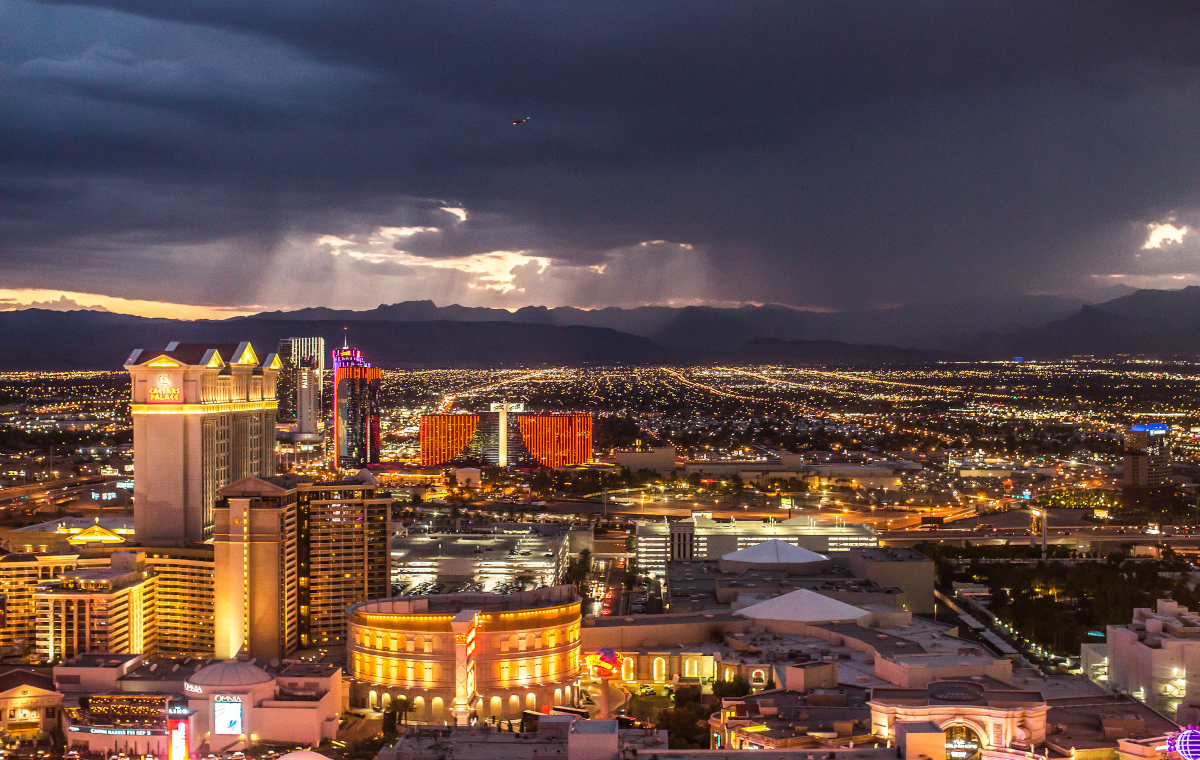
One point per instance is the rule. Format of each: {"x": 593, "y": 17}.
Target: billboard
{"x": 179, "y": 740}
{"x": 227, "y": 715}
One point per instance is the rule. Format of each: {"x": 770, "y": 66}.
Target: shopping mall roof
{"x": 803, "y": 606}
{"x": 774, "y": 552}
{"x": 231, "y": 673}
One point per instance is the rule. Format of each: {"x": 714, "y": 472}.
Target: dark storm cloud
{"x": 823, "y": 154}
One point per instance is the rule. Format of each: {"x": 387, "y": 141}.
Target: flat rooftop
{"x": 100, "y": 660}
{"x": 890, "y": 554}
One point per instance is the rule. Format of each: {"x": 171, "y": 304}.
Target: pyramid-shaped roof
{"x": 803, "y": 606}
{"x": 775, "y": 552}
{"x": 96, "y": 534}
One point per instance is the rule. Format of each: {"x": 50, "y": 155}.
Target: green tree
{"x": 738, "y": 687}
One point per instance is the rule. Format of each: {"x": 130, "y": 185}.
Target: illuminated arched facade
{"x": 491, "y": 655}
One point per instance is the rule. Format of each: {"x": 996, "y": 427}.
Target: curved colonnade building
{"x": 454, "y": 655}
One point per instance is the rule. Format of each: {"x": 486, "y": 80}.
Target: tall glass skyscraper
{"x": 296, "y": 390}
{"x": 355, "y": 408}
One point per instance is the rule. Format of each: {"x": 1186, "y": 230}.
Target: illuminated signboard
{"x": 115, "y": 731}
{"x": 192, "y": 688}
{"x": 1186, "y": 744}
{"x": 227, "y": 714}
{"x": 179, "y": 740}
{"x": 165, "y": 391}
{"x": 125, "y": 484}
{"x": 604, "y": 662}
{"x": 104, "y": 495}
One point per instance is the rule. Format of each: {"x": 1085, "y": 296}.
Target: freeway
{"x": 51, "y": 488}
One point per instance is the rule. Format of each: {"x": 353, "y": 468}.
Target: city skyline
{"x": 823, "y": 157}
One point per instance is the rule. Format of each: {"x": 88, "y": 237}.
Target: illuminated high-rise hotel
{"x": 203, "y": 417}
{"x": 300, "y": 382}
{"x": 504, "y": 436}
{"x": 355, "y": 408}
{"x": 291, "y": 555}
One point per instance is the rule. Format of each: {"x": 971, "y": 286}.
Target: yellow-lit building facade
{"x": 111, "y": 609}
{"x": 203, "y": 417}
{"x": 454, "y": 656}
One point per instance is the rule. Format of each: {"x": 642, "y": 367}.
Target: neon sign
{"x": 192, "y": 688}
{"x": 604, "y": 662}
{"x": 1186, "y": 744}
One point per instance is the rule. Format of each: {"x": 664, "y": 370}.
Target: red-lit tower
{"x": 355, "y": 408}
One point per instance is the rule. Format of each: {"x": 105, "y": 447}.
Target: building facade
{"x": 355, "y": 408}
{"x": 203, "y": 417}
{"x": 506, "y": 436}
{"x": 705, "y": 538}
{"x": 291, "y": 555}
{"x": 111, "y": 609}
{"x": 454, "y": 656}
{"x": 1147, "y": 465}
{"x": 300, "y": 381}
{"x": 20, "y": 575}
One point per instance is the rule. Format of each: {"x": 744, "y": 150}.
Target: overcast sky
{"x": 827, "y": 155}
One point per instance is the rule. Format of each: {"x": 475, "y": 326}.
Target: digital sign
{"x": 227, "y": 715}
{"x": 179, "y": 740}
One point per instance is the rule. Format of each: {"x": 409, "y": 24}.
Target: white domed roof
{"x": 231, "y": 673}
{"x": 303, "y": 754}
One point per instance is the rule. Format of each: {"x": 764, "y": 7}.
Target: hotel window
{"x": 689, "y": 668}
{"x": 660, "y": 669}
{"x": 419, "y": 644}
{"x": 521, "y": 643}
{"x": 428, "y": 672}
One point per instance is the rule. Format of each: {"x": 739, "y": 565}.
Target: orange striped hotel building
{"x": 550, "y": 440}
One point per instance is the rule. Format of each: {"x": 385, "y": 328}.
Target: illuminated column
{"x": 504, "y": 434}
{"x": 463, "y": 626}
{"x": 231, "y": 577}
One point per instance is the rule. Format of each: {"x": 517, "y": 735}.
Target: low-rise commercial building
{"x": 29, "y": 705}
{"x": 501, "y": 557}
{"x": 126, "y": 703}
{"x": 1155, "y": 658}
{"x": 457, "y": 655}
{"x": 705, "y": 538}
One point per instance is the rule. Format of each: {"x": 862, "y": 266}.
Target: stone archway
{"x": 965, "y": 740}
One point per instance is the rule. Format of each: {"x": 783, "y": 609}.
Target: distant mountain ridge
{"x": 711, "y": 328}
{"x": 1160, "y": 323}
{"x": 421, "y": 334}
{"x": 36, "y": 339}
